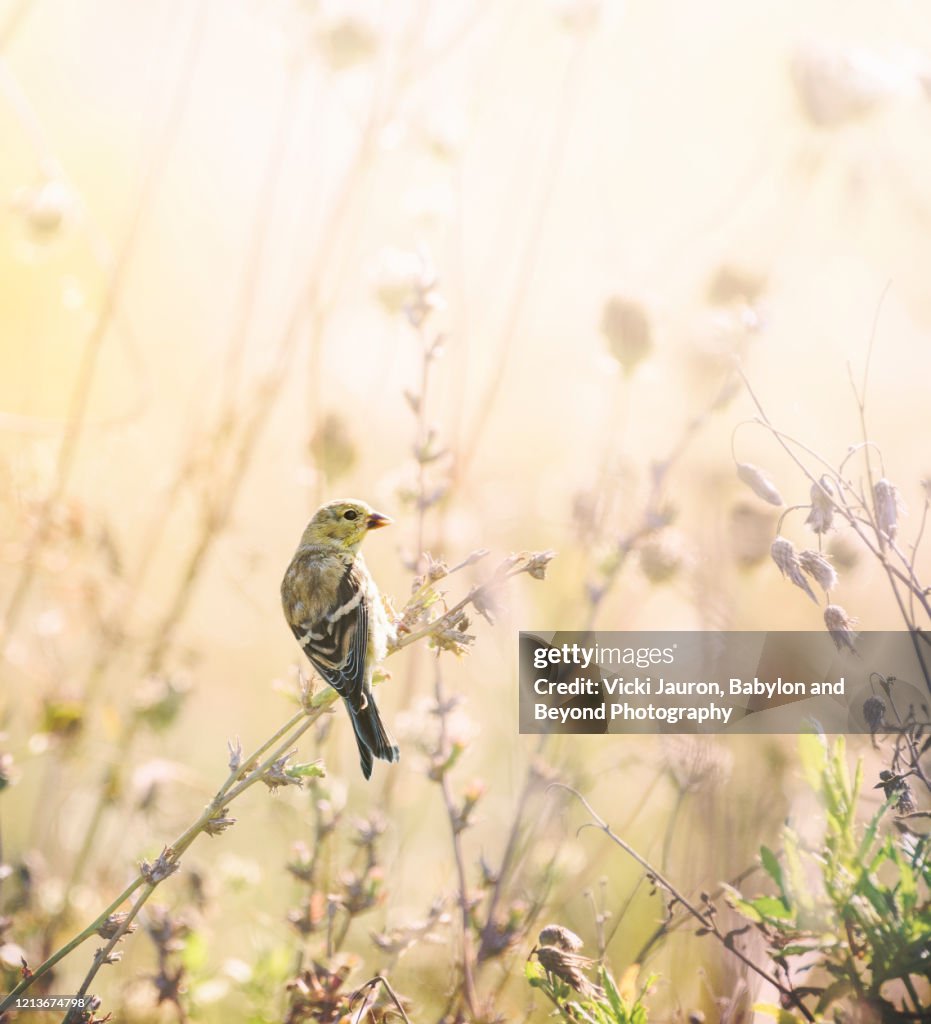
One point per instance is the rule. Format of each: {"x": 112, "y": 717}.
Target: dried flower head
{"x": 311, "y": 915}
{"x": 45, "y": 207}
{"x": 219, "y": 823}
{"x": 838, "y": 85}
{"x": 317, "y": 994}
{"x": 662, "y": 556}
{"x": 750, "y": 530}
{"x": 731, "y": 283}
{"x": 785, "y": 557}
{"x": 397, "y": 278}
{"x": 278, "y": 774}
{"x": 759, "y": 483}
{"x": 840, "y": 626}
{"x": 696, "y": 763}
{"x": 332, "y": 447}
{"x": 844, "y": 553}
{"x": 537, "y": 564}
{"x": 163, "y": 866}
{"x": 568, "y": 967}
{"x": 577, "y": 15}
{"x": 113, "y": 924}
{"x": 821, "y": 515}
{"x": 896, "y": 787}
{"x": 562, "y": 938}
{"x": 346, "y": 41}
{"x": 626, "y": 326}
{"x": 819, "y": 569}
{"x": 887, "y": 505}
{"x": 874, "y": 712}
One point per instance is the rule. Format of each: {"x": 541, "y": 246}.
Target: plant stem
{"x": 705, "y": 920}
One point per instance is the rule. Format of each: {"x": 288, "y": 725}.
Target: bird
{"x": 335, "y": 611}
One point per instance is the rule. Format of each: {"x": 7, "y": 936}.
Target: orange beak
{"x": 376, "y": 521}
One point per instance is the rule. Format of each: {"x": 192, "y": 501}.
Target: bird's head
{"x": 343, "y": 524}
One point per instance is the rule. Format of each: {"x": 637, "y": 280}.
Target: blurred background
{"x": 488, "y": 266}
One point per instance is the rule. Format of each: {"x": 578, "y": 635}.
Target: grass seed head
{"x": 887, "y": 505}
{"x": 759, "y": 483}
{"x": 840, "y": 626}
{"x": 821, "y": 516}
{"x": 786, "y": 558}
{"x": 819, "y": 569}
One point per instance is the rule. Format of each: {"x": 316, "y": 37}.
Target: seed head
{"x": 887, "y": 505}
{"x": 819, "y": 569}
{"x": 332, "y": 446}
{"x": 821, "y": 515}
{"x": 695, "y": 763}
{"x": 732, "y": 283}
{"x": 562, "y": 938}
{"x": 537, "y": 564}
{"x": 113, "y": 924}
{"x": 568, "y": 967}
{"x": 627, "y": 328}
{"x": 163, "y": 866}
{"x": 785, "y": 557}
{"x": 750, "y": 529}
{"x": 874, "y": 712}
{"x": 759, "y": 483}
{"x": 836, "y": 86}
{"x": 840, "y": 626}
{"x": 662, "y": 556}
{"x": 897, "y": 787}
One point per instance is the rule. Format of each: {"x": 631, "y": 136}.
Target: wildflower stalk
{"x": 860, "y": 518}
{"x": 452, "y": 814}
{"x": 705, "y": 918}
{"x": 510, "y": 852}
{"x": 295, "y": 727}
{"x": 87, "y": 369}
{"x": 257, "y": 767}
{"x": 654, "y": 515}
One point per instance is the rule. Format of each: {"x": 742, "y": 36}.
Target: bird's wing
{"x": 336, "y": 643}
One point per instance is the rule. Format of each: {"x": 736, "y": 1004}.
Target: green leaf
{"x": 532, "y": 970}
{"x": 585, "y": 1012}
{"x": 771, "y": 866}
{"x": 772, "y": 909}
{"x": 614, "y": 997}
{"x": 866, "y": 843}
{"x": 743, "y": 907}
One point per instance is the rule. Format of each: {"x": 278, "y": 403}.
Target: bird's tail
{"x": 373, "y": 738}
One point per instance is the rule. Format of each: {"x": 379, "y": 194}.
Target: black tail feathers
{"x": 373, "y": 738}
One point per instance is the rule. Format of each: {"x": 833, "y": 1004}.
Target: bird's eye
{"x": 350, "y": 514}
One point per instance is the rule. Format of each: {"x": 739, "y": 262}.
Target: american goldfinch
{"x": 334, "y": 609}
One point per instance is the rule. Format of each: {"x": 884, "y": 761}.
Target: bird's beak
{"x": 376, "y": 521}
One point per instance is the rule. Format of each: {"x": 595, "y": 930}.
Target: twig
{"x": 371, "y": 984}
{"x": 706, "y": 920}
{"x": 468, "y": 968}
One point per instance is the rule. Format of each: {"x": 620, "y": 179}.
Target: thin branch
{"x": 705, "y": 920}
